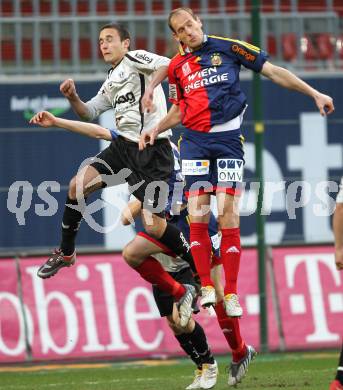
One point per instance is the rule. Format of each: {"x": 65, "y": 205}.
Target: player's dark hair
{"x": 121, "y": 30}
{"x": 176, "y": 11}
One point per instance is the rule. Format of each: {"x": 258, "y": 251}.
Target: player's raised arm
{"x": 287, "y": 79}
{"x": 68, "y": 90}
{"x": 46, "y": 119}
{"x": 172, "y": 119}
{"x": 158, "y": 76}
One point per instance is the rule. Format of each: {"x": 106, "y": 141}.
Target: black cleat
{"x": 54, "y": 263}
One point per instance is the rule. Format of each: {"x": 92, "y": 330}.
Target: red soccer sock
{"x": 201, "y": 249}
{"x": 230, "y": 250}
{"x": 231, "y": 331}
{"x": 152, "y": 271}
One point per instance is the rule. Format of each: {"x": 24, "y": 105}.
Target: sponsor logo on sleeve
{"x": 241, "y": 51}
{"x": 144, "y": 57}
{"x": 172, "y": 91}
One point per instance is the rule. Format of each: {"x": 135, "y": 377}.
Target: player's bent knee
{"x": 153, "y": 224}
{"x": 228, "y": 221}
{"x": 154, "y": 230}
{"x": 130, "y": 256}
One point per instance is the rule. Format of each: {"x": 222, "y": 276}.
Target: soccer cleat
{"x": 336, "y": 385}
{"x": 232, "y": 306}
{"x": 54, "y": 263}
{"x": 208, "y": 296}
{"x": 209, "y": 375}
{"x": 238, "y": 370}
{"x": 185, "y": 305}
{"x": 196, "y": 381}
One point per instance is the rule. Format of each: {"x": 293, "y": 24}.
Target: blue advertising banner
{"x": 303, "y": 162}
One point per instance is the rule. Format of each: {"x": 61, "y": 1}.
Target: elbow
{"x": 85, "y": 117}
{"x": 271, "y": 71}
{"x": 99, "y": 134}
{"x": 86, "y": 114}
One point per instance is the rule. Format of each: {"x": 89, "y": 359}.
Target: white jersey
{"x": 122, "y": 91}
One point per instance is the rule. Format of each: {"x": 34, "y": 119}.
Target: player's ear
{"x": 127, "y": 43}
{"x": 176, "y": 37}
{"x": 198, "y": 20}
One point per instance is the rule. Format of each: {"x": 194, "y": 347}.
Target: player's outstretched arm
{"x": 338, "y": 232}
{"x": 287, "y": 79}
{"x": 46, "y": 119}
{"x": 158, "y": 76}
{"x": 172, "y": 119}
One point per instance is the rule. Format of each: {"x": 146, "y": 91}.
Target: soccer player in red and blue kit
{"x": 207, "y": 99}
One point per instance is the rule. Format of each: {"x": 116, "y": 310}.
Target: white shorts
{"x": 339, "y": 198}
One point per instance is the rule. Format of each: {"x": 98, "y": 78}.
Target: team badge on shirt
{"x": 186, "y": 69}
{"x": 216, "y": 59}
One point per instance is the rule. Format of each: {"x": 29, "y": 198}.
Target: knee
{"x": 130, "y": 256}
{"x": 228, "y": 221}
{"x": 154, "y": 225}
{"x": 76, "y": 189}
{"x": 153, "y": 230}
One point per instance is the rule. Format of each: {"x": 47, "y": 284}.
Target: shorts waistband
{"x": 217, "y": 135}
{"x": 134, "y": 143}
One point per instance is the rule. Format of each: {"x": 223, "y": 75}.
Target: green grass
{"x": 300, "y": 371}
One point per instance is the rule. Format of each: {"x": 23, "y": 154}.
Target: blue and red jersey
{"x": 205, "y": 82}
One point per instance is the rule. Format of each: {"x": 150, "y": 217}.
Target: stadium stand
{"x": 298, "y": 32}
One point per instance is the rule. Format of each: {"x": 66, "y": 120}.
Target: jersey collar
{"x": 183, "y": 49}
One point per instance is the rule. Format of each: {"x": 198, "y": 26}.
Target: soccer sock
{"x": 199, "y": 342}
{"x": 230, "y": 250}
{"x": 152, "y": 271}
{"x": 231, "y": 331}
{"x": 186, "y": 345}
{"x": 174, "y": 239}
{"x": 70, "y": 226}
{"x": 339, "y": 375}
{"x": 201, "y": 250}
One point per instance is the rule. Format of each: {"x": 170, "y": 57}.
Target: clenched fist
{"x": 68, "y": 89}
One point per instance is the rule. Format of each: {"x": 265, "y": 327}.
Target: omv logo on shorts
{"x": 230, "y": 170}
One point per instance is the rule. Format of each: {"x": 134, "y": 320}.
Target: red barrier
{"x": 101, "y": 308}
